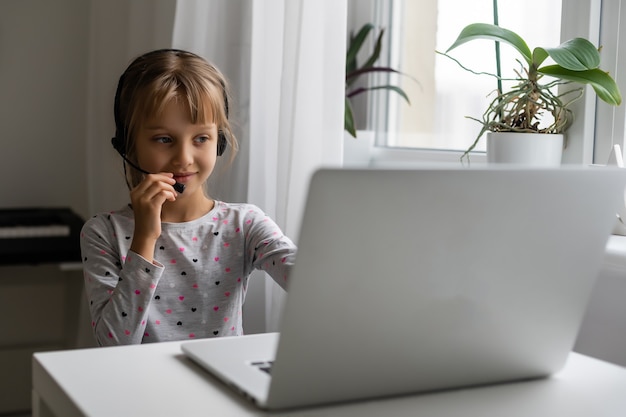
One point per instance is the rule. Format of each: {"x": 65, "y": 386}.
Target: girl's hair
{"x": 156, "y": 78}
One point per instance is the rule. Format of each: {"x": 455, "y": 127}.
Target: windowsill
{"x": 386, "y": 156}
{"x": 362, "y": 151}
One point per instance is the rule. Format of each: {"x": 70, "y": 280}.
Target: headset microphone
{"x": 117, "y": 144}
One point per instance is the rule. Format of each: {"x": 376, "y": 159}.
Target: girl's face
{"x": 172, "y": 143}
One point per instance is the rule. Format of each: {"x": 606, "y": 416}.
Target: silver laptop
{"x": 427, "y": 279}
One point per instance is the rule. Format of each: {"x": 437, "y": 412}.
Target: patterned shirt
{"x": 197, "y": 284}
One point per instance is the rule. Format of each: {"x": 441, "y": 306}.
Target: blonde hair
{"x": 156, "y": 78}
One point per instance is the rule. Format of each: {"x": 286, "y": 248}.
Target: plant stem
{"x": 498, "y": 68}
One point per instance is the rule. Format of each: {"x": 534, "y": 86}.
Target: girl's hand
{"x": 147, "y": 200}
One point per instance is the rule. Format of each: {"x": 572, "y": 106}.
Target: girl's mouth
{"x": 183, "y": 177}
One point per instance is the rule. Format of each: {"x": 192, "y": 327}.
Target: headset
{"x": 119, "y": 140}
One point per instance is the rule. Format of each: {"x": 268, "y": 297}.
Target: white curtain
{"x": 219, "y": 30}
{"x": 297, "y": 99}
{"x": 286, "y": 61}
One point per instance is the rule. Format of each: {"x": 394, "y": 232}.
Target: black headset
{"x": 121, "y": 131}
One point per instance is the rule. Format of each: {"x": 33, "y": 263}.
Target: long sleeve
{"x": 269, "y": 249}
{"x": 120, "y": 286}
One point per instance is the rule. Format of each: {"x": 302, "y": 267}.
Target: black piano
{"x": 39, "y": 235}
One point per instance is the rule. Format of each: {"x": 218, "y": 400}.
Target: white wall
{"x": 43, "y": 72}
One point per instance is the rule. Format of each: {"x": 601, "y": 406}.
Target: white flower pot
{"x": 357, "y": 151}
{"x": 531, "y": 149}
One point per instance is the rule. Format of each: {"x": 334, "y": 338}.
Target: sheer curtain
{"x": 219, "y": 30}
{"x": 285, "y": 60}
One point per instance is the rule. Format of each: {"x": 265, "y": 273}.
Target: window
{"x": 610, "y": 121}
{"x": 444, "y": 94}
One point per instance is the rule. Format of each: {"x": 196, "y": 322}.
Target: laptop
{"x": 418, "y": 280}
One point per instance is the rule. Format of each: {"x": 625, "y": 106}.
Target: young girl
{"x": 174, "y": 264}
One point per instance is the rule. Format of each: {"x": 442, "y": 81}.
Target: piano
{"x": 31, "y": 236}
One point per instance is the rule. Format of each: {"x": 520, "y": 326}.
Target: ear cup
{"x": 118, "y": 144}
{"x": 221, "y": 138}
{"x": 221, "y": 144}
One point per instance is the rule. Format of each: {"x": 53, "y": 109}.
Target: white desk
{"x": 157, "y": 380}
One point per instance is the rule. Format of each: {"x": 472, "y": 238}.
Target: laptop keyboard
{"x": 265, "y": 366}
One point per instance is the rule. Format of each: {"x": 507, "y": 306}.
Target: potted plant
{"x": 531, "y": 106}
{"x": 354, "y": 71}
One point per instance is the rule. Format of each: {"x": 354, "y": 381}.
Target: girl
{"x": 174, "y": 264}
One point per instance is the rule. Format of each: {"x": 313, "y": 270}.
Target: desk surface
{"x": 157, "y": 380}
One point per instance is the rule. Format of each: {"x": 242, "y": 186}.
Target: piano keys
{"x": 39, "y": 235}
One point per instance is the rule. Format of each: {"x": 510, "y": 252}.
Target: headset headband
{"x": 121, "y": 131}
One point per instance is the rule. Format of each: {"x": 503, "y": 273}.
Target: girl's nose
{"x": 183, "y": 155}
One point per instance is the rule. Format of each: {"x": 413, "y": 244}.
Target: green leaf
{"x": 348, "y": 119}
{"x": 374, "y": 57}
{"x": 577, "y": 54}
{"x": 539, "y": 55}
{"x": 494, "y": 33}
{"x": 355, "y": 74}
{"x": 355, "y": 46}
{"x": 392, "y": 88}
{"x": 605, "y": 87}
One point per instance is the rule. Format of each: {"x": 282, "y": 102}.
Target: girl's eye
{"x": 163, "y": 139}
{"x": 202, "y": 139}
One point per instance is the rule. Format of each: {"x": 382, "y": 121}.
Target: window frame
{"x": 597, "y": 126}
{"x": 610, "y": 121}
